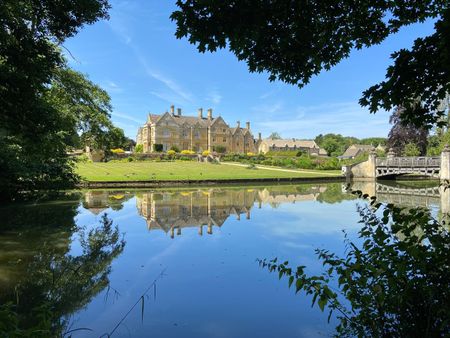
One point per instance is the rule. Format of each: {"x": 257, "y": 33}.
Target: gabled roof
{"x": 180, "y": 120}
{"x": 291, "y": 143}
{"x": 355, "y": 149}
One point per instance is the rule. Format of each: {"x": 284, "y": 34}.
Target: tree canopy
{"x": 295, "y": 40}
{"x": 43, "y": 104}
{"x": 403, "y": 137}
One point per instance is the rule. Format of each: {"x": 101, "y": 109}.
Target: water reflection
{"x": 39, "y": 242}
{"x": 171, "y": 211}
{"x": 42, "y": 282}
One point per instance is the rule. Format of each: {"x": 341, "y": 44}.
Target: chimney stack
{"x": 210, "y": 114}
{"x": 172, "y": 109}
{"x": 247, "y": 125}
{"x": 179, "y": 111}
{"x": 200, "y": 113}
{"x": 238, "y": 124}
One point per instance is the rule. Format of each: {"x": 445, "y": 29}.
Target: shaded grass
{"x": 180, "y": 170}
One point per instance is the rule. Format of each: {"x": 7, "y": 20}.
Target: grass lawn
{"x": 181, "y": 170}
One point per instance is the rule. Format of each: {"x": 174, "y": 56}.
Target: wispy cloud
{"x": 268, "y": 108}
{"x": 346, "y": 118}
{"x": 111, "y": 86}
{"x": 168, "y": 97}
{"x": 126, "y": 117}
{"x": 119, "y": 24}
{"x": 214, "y": 96}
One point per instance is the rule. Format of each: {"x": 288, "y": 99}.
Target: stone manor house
{"x": 197, "y": 133}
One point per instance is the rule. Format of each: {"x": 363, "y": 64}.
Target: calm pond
{"x": 187, "y": 260}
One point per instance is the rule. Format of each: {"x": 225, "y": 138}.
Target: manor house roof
{"x": 190, "y": 120}
{"x": 291, "y": 143}
{"x": 355, "y": 149}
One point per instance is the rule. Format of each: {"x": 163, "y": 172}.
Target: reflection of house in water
{"x": 172, "y": 211}
{"x": 278, "y": 196}
{"x": 97, "y": 201}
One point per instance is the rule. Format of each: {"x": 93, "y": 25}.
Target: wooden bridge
{"x": 392, "y": 166}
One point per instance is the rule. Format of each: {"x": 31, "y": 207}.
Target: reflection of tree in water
{"x": 53, "y": 284}
{"x": 334, "y": 194}
{"x": 393, "y": 282}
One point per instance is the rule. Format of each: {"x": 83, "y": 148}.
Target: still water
{"x": 183, "y": 262}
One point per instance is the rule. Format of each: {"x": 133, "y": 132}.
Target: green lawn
{"x": 182, "y": 170}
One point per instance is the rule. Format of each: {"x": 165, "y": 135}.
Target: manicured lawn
{"x": 181, "y": 170}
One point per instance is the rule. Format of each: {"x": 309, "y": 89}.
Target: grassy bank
{"x": 183, "y": 170}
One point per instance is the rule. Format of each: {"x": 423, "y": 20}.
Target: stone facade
{"x": 308, "y": 146}
{"x": 196, "y": 133}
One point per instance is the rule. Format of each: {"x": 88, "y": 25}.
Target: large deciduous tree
{"x": 35, "y": 120}
{"x": 403, "y": 134}
{"x": 295, "y": 40}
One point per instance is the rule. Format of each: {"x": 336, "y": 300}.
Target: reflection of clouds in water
{"x": 291, "y": 220}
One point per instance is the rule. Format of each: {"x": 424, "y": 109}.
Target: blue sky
{"x": 137, "y": 59}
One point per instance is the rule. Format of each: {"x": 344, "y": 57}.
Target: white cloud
{"x": 127, "y": 117}
{"x": 268, "y": 108}
{"x": 346, "y": 118}
{"x": 119, "y": 23}
{"x": 112, "y": 87}
{"x": 214, "y": 97}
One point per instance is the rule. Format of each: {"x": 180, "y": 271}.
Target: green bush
{"x": 220, "y": 149}
{"x": 175, "y": 149}
{"x": 139, "y": 148}
{"x": 158, "y": 147}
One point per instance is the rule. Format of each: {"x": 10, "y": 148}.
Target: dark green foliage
{"x": 157, "y": 147}
{"x": 51, "y": 284}
{"x": 175, "y": 149}
{"x": 335, "y": 144}
{"x": 220, "y": 149}
{"x": 396, "y": 277}
{"x": 403, "y": 133}
{"x": 295, "y": 40}
{"x": 420, "y": 73}
{"x": 34, "y": 132}
{"x": 275, "y": 136}
{"x": 288, "y": 159}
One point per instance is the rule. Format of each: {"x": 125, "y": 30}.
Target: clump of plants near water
{"x": 394, "y": 281}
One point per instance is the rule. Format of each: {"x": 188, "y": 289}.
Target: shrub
{"x": 220, "y": 149}
{"x": 139, "y": 148}
{"x": 206, "y": 153}
{"x": 130, "y": 159}
{"x": 175, "y": 149}
{"x": 158, "y": 147}
{"x": 117, "y": 151}
{"x": 83, "y": 158}
{"x": 187, "y": 152}
{"x": 250, "y": 154}
{"x": 171, "y": 152}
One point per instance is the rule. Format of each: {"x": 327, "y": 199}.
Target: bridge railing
{"x": 409, "y": 162}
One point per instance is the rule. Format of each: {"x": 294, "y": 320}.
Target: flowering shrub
{"x": 187, "y": 152}
{"x": 117, "y": 151}
{"x": 171, "y": 152}
{"x": 206, "y": 153}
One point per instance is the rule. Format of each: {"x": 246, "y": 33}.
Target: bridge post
{"x": 372, "y": 164}
{"x": 444, "y": 173}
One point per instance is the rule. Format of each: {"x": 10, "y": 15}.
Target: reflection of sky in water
{"x": 213, "y": 287}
